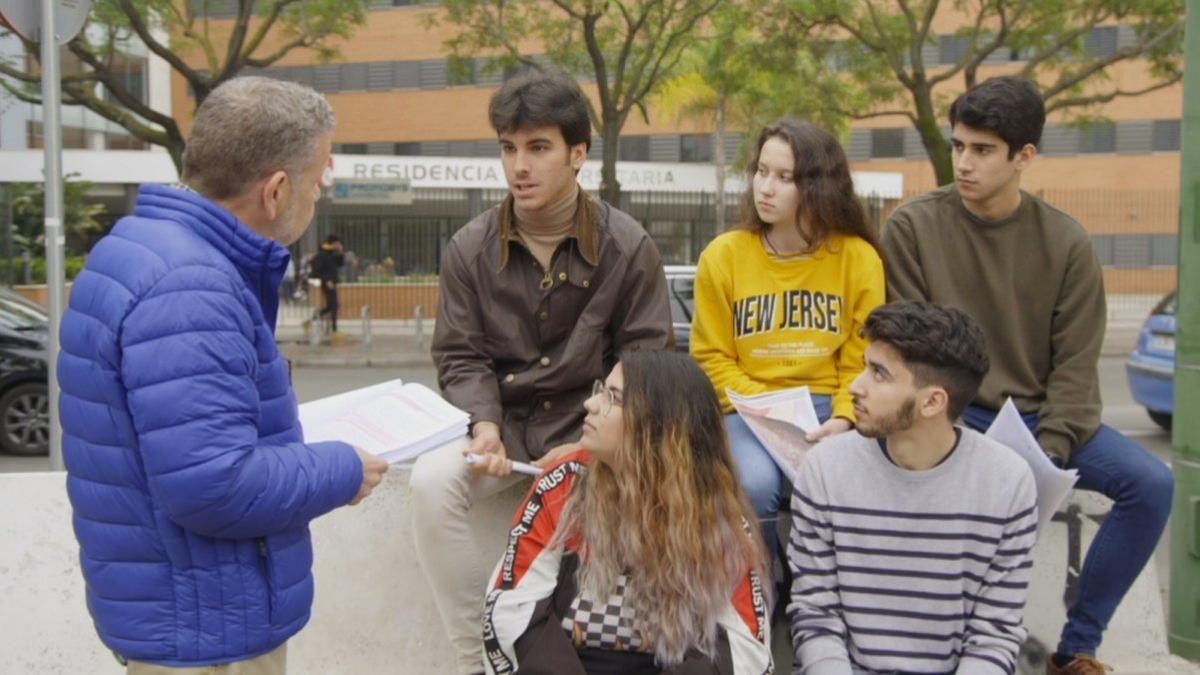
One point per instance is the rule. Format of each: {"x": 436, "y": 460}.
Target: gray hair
{"x": 249, "y": 127}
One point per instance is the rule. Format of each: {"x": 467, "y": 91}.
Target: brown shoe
{"x": 1082, "y": 664}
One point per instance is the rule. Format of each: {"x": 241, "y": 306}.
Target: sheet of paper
{"x": 1053, "y": 483}
{"x": 780, "y": 420}
{"x": 394, "y": 420}
{"x": 793, "y": 406}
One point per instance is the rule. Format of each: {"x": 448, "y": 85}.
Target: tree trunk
{"x": 719, "y": 158}
{"x": 936, "y": 145}
{"x": 610, "y": 189}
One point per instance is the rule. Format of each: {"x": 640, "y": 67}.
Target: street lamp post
{"x": 1184, "y": 636}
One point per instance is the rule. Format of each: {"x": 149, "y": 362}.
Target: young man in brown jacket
{"x": 538, "y": 297}
{"x": 1027, "y": 273}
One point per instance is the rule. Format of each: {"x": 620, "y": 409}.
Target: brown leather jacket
{"x": 520, "y": 347}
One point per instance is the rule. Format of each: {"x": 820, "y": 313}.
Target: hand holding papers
{"x": 394, "y": 420}
{"x": 780, "y": 420}
{"x": 1053, "y": 483}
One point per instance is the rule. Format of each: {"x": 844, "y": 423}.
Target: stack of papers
{"x": 1053, "y": 483}
{"x": 394, "y": 420}
{"x": 780, "y": 420}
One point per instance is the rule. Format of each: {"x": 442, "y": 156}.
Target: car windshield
{"x": 17, "y": 315}
{"x": 1166, "y": 306}
{"x": 683, "y": 298}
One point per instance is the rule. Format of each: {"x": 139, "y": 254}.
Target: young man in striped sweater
{"x": 912, "y": 537}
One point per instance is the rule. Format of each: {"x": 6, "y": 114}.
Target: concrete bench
{"x": 373, "y": 611}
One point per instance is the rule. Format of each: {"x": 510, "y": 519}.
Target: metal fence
{"x": 393, "y": 252}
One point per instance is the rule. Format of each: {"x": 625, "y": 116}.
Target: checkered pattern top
{"x": 612, "y": 625}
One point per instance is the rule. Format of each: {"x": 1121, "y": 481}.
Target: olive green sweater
{"x": 1033, "y": 283}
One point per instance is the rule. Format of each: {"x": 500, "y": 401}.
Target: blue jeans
{"x": 762, "y": 480}
{"x": 1141, "y": 488}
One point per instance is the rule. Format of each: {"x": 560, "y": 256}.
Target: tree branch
{"x": 1083, "y": 101}
{"x": 104, "y": 74}
{"x": 88, "y": 99}
{"x": 139, "y": 26}
{"x": 971, "y": 51}
{"x": 1067, "y": 82}
{"x": 264, "y": 27}
{"x": 233, "y": 49}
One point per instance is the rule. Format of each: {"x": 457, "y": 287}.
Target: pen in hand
{"x": 519, "y": 467}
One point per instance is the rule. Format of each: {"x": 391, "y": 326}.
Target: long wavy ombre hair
{"x": 828, "y": 203}
{"x": 668, "y": 511}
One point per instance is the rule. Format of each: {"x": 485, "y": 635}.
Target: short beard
{"x": 901, "y": 420}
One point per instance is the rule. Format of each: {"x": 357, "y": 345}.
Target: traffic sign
{"x": 24, "y": 17}
{"x": 373, "y": 191}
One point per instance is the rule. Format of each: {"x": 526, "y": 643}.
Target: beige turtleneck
{"x": 544, "y": 230}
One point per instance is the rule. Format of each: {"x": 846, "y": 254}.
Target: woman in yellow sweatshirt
{"x": 781, "y": 298}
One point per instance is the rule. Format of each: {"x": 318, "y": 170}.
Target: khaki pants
{"x": 442, "y": 490}
{"x": 271, "y": 663}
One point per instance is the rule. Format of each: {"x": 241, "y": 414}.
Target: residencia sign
{"x": 460, "y": 173}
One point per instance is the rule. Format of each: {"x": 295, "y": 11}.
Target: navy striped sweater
{"x": 910, "y": 571}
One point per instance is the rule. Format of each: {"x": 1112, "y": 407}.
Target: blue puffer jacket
{"x": 191, "y": 488}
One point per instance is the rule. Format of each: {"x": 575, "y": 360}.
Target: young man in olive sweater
{"x": 1027, "y": 273}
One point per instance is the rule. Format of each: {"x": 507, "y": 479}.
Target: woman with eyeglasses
{"x": 636, "y": 553}
{"x": 781, "y": 298}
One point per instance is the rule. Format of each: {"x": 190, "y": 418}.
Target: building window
{"x": 887, "y": 143}
{"x": 1101, "y": 42}
{"x": 634, "y": 149}
{"x": 1167, "y": 135}
{"x": 953, "y": 48}
{"x": 460, "y": 72}
{"x": 353, "y": 148}
{"x": 1098, "y": 137}
{"x": 695, "y": 148}
{"x": 408, "y": 148}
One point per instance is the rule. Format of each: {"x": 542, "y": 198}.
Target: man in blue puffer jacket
{"x": 191, "y": 485}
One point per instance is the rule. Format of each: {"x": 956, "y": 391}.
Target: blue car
{"x": 1151, "y": 366}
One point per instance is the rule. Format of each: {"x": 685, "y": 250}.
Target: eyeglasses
{"x": 608, "y": 397}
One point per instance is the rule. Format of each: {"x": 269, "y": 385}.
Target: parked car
{"x": 681, "y": 284}
{"x": 1151, "y": 366}
{"x": 24, "y": 403}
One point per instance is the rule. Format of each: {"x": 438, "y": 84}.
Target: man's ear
{"x": 936, "y": 402}
{"x": 273, "y": 194}
{"x": 1025, "y": 157}
{"x": 578, "y": 156}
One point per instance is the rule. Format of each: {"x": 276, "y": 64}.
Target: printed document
{"x": 394, "y": 420}
{"x": 1053, "y": 483}
{"x": 780, "y": 420}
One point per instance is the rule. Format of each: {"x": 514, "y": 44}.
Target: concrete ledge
{"x": 373, "y": 612}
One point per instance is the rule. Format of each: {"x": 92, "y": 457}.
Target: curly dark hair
{"x": 940, "y": 345}
{"x": 1010, "y": 107}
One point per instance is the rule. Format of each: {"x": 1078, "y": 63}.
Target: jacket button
{"x": 509, "y": 377}
{"x": 544, "y": 315}
{"x": 562, "y": 276}
{"x": 545, "y": 361}
{"x": 586, "y": 283}
{"x": 545, "y": 405}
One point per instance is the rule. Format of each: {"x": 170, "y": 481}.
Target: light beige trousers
{"x": 443, "y": 490}
{"x": 271, "y": 663}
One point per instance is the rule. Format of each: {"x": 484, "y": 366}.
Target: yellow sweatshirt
{"x": 764, "y": 323}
